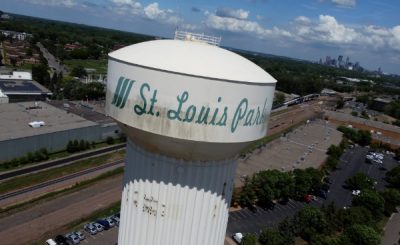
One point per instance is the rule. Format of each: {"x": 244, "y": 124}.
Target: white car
{"x": 80, "y": 235}
{"x": 238, "y": 237}
{"x": 90, "y": 228}
{"x": 73, "y": 238}
{"x": 356, "y": 192}
{"x": 110, "y": 221}
{"x": 51, "y": 242}
{"x": 98, "y": 226}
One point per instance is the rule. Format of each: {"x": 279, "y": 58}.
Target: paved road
{"x": 47, "y": 219}
{"x": 52, "y": 61}
{"x": 391, "y": 234}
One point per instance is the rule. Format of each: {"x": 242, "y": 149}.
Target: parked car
{"x": 356, "y": 192}
{"x": 238, "y": 237}
{"x": 104, "y": 224}
{"x": 73, "y": 238}
{"x": 110, "y": 221}
{"x": 90, "y": 228}
{"x": 98, "y": 226}
{"x": 308, "y": 198}
{"x": 61, "y": 240}
{"x": 51, "y": 242}
{"x": 116, "y": 219}
{"x": 80, "y": 235}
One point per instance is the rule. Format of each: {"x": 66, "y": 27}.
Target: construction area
{"x": 303, "y": 147}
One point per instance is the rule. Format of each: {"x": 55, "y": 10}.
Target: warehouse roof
{"x": 15, "y": 119}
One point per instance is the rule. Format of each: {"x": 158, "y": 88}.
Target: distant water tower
{"x": 188, "y": 108}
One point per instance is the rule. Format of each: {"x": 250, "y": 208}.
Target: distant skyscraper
{"x": 340, "y": 61}
{"x": 328, "y": 60}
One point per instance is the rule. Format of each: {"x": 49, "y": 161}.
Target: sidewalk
{"x": 392, "y": 230}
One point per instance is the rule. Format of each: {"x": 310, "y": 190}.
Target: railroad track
{"x": 55, "y": 181}
{"x": 58, "y": 162}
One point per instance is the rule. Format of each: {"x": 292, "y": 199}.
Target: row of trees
{"x": 30, "y": 157}
{"x": 266, "y": 186}
{"x": 361, "y": 137}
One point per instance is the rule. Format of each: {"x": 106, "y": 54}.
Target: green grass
{"x": 99, "y": 65}
{"x": 48, "y": 196}
{"x": 43, "y": 176}
{"x": 53, "y": 156}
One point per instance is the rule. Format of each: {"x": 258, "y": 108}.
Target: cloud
{"x": 195, "y": 9}
{"x": 344, "y": 3}
{"x": 327, "y": 30}
{"x": 303, "y": 20}
{"x": 154, "y": 12}
{"x": 232, "y": 13}
{"x": 240, "y": 25}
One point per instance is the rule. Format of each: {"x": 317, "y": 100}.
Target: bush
{"x": 360, "y": 181}
{"x": 110, "y": 140}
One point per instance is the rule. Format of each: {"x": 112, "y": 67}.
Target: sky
{"x": 367, "y": 31}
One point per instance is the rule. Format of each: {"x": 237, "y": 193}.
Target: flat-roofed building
{"x": 19, "y": 87}
{"x": 57, "y": 127}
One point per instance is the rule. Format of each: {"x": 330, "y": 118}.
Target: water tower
{"x": 188, "y": 108}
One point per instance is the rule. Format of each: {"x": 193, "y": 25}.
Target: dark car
{"x": 104, "y": 223}
{"x": 61, "y": 240}
{"x": 322, "y": 193}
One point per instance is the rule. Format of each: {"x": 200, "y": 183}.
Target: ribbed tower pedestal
{"x": 171, "y": 201}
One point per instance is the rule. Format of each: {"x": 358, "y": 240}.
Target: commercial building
{"x": 19, "y": 87}
{"x": 30, "y": 126}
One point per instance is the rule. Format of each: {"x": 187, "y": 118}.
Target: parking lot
{"x": 351, "y": 162}
{"x": 109, "y": 237}
{"x": 302, "y": 148}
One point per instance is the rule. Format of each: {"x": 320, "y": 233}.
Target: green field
{"x": 99, "y": 65}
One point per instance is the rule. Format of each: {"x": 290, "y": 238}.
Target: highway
{"x": 59, "y": 162}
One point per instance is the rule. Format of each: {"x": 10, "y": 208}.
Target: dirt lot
{"x": 50, "y": 217}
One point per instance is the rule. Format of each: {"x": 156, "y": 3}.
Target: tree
{"x": 354, "y": 114}
{"x": 393, "y": 177}
{"x": 70, "y": 147}
{"x": 334, "y": 151}
{"x": 352, "y": 216}
{"x": 309, "y": 222}
{"x": 360, "y": 181}
{"x": 78, "y": 71}
{"x": 287, "y": 230}
{"x": 110, "y": 140}
{"x": 278, "y": 99}
{"x": 360, "y": 235}
{"x": 364, "y": 137}
{"x": 392, "y": 200}
{"x": 371, "y": 200}
{"x": 81, "y": 145}
{"x": 340, "y": 104}
{"x": 306, "y": 181}
{"x": 40, "y": 74}
{"x": 249, "y": 239}
{"x": 271, "y": 236}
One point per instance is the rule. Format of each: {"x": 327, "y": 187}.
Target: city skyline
{"x": 368, "y": 31}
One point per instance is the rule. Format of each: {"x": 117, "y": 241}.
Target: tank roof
{"x": 193, "y": 59}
